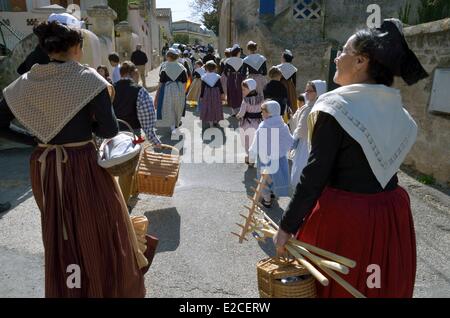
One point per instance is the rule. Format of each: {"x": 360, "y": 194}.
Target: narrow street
{"x": 197, "y": 255}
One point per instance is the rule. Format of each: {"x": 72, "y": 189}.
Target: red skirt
{"x": 373, "y": 229}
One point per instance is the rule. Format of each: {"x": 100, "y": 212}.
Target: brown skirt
{"x": 97, "y": 238}
{"x": 292, "y": 94}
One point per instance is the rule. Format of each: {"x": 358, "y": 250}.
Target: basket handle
{"x": 129, "y": 127}
{"x": 164, "y": 146}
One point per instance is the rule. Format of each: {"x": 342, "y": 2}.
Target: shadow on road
{"x": 165, "y": 225}
{"x": 15, "y": 186}
{"x": 249, "y": 180}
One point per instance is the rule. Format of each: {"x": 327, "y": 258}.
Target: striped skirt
{"x": 261, "y": 82}
{"x": 83, "y": 228}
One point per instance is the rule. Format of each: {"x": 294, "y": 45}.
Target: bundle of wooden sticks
{"x": 312, "y": 258}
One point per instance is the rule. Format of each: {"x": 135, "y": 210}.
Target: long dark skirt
{"x": 211, "y": 102}
{"x": 97, "y": 236}
{"x": 376, "y": 231}
{"x": 234, "y": 89}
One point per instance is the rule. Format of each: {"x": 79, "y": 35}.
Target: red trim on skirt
{"x": 369, "y": 229}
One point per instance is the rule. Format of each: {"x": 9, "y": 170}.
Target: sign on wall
{"x": 440, "y": 94}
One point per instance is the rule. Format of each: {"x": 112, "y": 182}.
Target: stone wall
{"x": 431, "y": 153}
{"x": 310, "y": 40}
{"x": 9, "y": 65}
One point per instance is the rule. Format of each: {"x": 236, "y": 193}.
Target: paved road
{"x": 197, "y": 256}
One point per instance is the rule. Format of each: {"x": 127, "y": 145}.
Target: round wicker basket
{"x": 273, "y": 279}
{"x": 128, "y": 167}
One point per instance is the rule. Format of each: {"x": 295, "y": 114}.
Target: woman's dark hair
{"x": 172, "y": 56}
{"x": 210, "y": 67}
{"x": 288, "y": 58}
{"x": 235, "y": 52}
{"x": 55, "y": 37}
{"x": 114, "y": 57}
{"x": 252, "y": 47}
{"x": 368, "y": 43}
{"x": 274, "y": 72}
{"x": 127, "y": 68}
{"x": 105, "y": 69}
{"x": 301, "y": 98}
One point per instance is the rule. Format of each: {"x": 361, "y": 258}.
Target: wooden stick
{"x": 258, "y": 204}
{"x": 353, "y": 291}
{"x": 238, "y": 235}
{"x": 317, "y": 260}
{"x": 318, "y": 275}
{"x": 260, "y": 183}
{"x": 337, "y": 258}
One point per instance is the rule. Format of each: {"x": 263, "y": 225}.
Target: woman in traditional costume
{"x": 196, "y": 87}
{"x": 289, "y": 79}
{"x": 255, "y": 67}
{"x": 276, "y": 91}
{"x": 235, "y": 77}
{"x": 249, "y": 115}
{"x": 300, "y": 153}
{"x": 223, "y": 77}
{"x": 348, "y": 201}
{"x": 186, "y": 62}
{"x": 211, "y": 96}
{"x": 270, "y": 148}
{"x": 171, "y": 97}
{"x": 84, "y": 217}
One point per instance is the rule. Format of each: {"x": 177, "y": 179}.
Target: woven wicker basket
{"x": 157, "y": 173}
{"x": 129, "y": 167}
{"x": 270, "y": 273}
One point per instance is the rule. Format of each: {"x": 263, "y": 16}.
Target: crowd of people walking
{"x": 343, "y": 170}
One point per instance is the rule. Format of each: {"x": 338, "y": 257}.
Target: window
{"x": 307, "y": 9}
{"x": 267, "y": 7}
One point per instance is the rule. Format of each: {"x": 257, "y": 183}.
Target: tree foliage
{"x": 121, "y": 8}
{"x": 181, "y": 38}
{"x": 432, "y": 10}
{"x": 208, "y": 11}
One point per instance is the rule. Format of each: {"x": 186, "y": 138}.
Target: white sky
{"x": 180, "y": 9}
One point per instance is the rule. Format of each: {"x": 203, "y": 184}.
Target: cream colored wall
{"x": 136, "y": 22}
{"x": 431, "y": 153}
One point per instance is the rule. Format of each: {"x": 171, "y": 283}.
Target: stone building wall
{"x": 431, "y": 153}
{"x": 310, "y": 40}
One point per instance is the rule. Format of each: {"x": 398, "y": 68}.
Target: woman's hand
{"x": 280, "y": 240}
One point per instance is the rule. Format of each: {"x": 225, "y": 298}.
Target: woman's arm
{"x": 6, "y": 117}
{"x": 326, "y": 140}
{"x": 105, "y": 125}
{"x": 264, "y": 69}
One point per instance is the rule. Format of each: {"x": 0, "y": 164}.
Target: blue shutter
{"x": 267, "y": 7}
